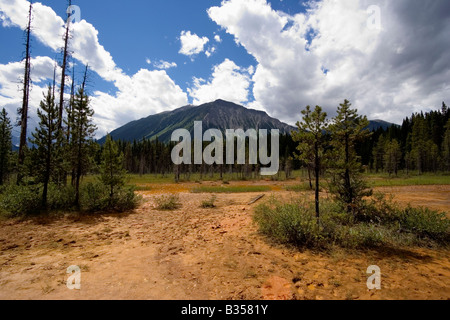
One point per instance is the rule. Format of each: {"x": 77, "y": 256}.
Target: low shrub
{"x": 210, "y": 203}
{"x": 125, "y": 199}
{"x": 95, "y": 197}
{"x": 60, "y": 198}
{"x": 21, "y": 200}
{"x": 377, "y": 223}
{"x": 426, "y": 223}
{"x": 168, "y": 202}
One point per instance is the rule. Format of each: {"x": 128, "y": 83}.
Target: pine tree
{"x": 378, "y": 154}
{"x": 5, "y": 146}
{"x": 47, "y": 138}
{"x": 392, "y": 157}
{"x": 419, "y": 138}
{"x": 446, "y": 147}
{"x": 112, "y": 172}
{"x": 82, "y": 134}
{"x": 347, "y": 183}
{"x": 312, "y": 143}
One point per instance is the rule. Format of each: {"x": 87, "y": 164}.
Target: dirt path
{"x": 195, "y": 253}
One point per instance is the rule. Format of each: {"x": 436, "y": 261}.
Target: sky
{"x": 389, "y": 58}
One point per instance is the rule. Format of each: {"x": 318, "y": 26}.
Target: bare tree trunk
{"x": 25, "y": 101}
{"x": 63, "y": 71}
{"x": 317, "y": 170}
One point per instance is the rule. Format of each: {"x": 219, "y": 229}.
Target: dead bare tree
{"x": 63, "y": 68}
{"x": 23, "y": 112}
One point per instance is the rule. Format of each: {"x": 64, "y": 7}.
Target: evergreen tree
{"x": 446, "y": 147}
{"x": 392, "y": 157}
{"x": 112, "y": 173}
{"x": 378, "y": 154}
{"x": 5, "y": 146}
{"x": 82, "y": 134}
{"x": 347, "y": 183}
{"x": 47, "y": 139}
{"x": 419, "y": 138}
{"x": 312, "y": 143}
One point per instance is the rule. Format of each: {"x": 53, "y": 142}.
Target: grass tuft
{"x": 210, "y": 203}
{"x": 168, "y": 202}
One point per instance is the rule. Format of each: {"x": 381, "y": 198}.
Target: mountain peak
{"x": 220, "y": 114}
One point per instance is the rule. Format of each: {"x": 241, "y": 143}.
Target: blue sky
{"x": 277, "y": 56}
{"x": 136, "y": 31}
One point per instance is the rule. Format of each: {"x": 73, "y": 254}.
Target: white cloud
{"x": 386, "y": 74}
{"x": 217, "y": 38}
{"x": 145, "y": 93}
{"x": 210, "y": 51}
{"x": 161, "y": 64}
{"x": 228, "y": 82}
{"x": 191, "y": 44}
{"x": 139, "y": 95}
{"x": 11, "y": 77}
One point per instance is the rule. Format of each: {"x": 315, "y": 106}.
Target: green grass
{"x": 137, "y": 179}
{"x": 375, "y": 180}
{"x": 383, "y": 180}
{"x": 304, "y": 186}
{"x": 232, "y": 189}
{"x": 143, "y": 188}
{"x": 298, "y": 187}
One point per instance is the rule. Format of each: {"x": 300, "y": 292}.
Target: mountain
{"x": 219, "y": 114}
{"x": 377, "y": 124}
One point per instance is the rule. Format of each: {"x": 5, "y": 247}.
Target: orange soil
{"x": 195, "y": 253}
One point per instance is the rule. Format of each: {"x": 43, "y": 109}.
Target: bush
{"x": 292, "y": 223}
{"x": 17, "y": 201}
{"x": 426, "y": 223}
{"x": 168, "y": 202}
{"x": 209, "y": 204}
{"x": 378, "y": 223}
{"x": 125, "y": 199}
{"x": 22, "y": 200}
{"x": 95, "y": 197}
{"x": 421, "y": 222}
{"x": 60, "y": 198}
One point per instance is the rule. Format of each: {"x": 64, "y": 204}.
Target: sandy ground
{"x": 195, "y": 253}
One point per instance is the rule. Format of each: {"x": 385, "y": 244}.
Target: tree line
{"x": 154, "y": 157}
{"x": 421, "y": 144}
